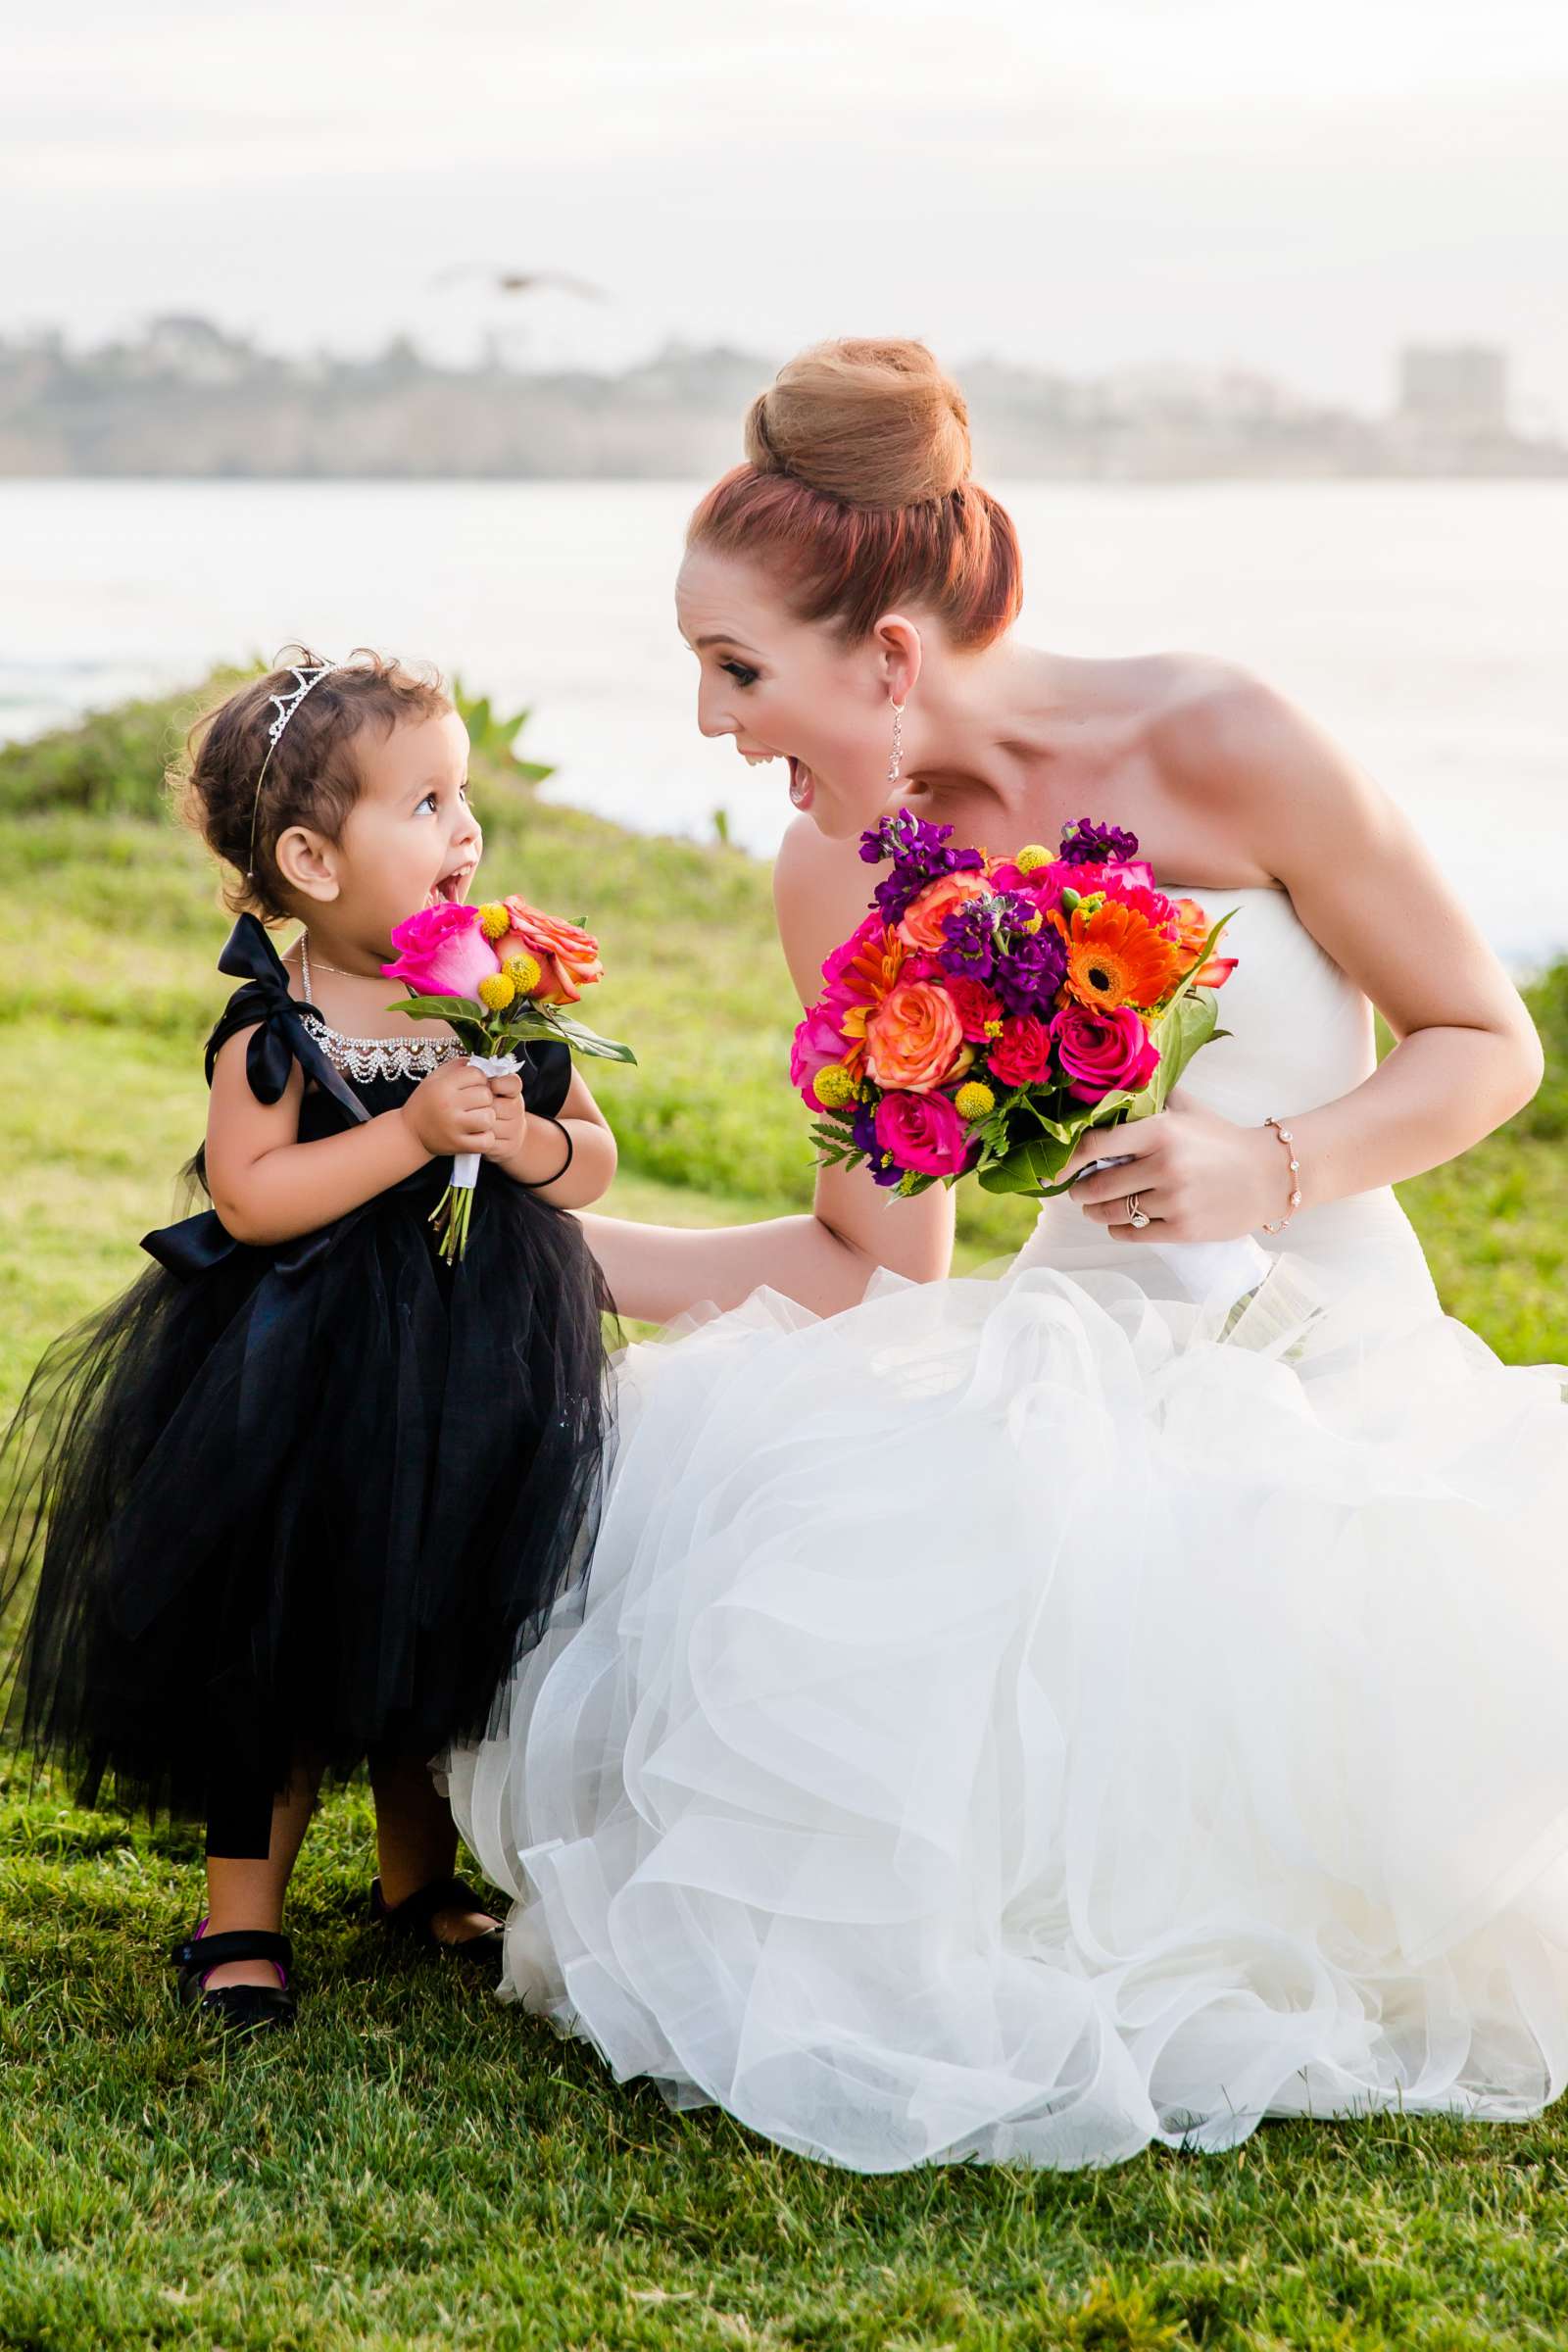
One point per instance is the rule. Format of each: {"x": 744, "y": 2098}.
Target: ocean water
{"x": 1425, "y": 623}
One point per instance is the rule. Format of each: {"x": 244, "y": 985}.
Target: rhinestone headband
{"x": 286, "y": 705}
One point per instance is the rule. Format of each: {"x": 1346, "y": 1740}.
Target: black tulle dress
{"x": 308, "y": 1501}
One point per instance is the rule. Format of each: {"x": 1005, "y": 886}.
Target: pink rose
{"x": 1047, "y": 882}
{"x": 913, "y": 1038}
{"x": 1021, "y": 1054}
{"x": 441, "y": 951}
{"x": 923, "y": 1132}
{"x": 818, "y": 1040}
{"x": 1103, "y": 1051}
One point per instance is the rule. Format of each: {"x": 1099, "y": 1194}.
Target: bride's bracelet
{"x": 1289, "y": 1141}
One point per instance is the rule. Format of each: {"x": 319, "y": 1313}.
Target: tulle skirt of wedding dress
{"x": 1028, "y": 1719}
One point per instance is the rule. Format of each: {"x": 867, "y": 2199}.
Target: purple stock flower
{"x": 970, "y": 932}
{"x": 1030, "y": 970}
{"x": 1087, "y": 844}
{"x": 919, "y": 854}
{"x": 1003, "y": 942}
{"x": 862, "y": 1128}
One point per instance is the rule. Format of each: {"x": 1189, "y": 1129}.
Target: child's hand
{"x": 452, "y": 1110}
{"x": 510, "y": 1117}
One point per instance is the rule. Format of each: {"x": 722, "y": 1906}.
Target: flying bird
{"x": 519, "y": 282}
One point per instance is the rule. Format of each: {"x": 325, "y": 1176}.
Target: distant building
{"x": 1456, "y": 388}
{"x": 192, "y": 349}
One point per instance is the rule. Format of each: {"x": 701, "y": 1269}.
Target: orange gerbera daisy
{"x": 1115, "y": 956}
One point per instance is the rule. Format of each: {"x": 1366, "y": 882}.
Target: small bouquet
{"x": 989, "y": 1011}
{"x": 499, "y": 975}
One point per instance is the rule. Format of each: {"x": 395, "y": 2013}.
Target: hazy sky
{"x": 1081, "y": 184}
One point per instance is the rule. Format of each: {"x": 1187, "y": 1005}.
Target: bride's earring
{"x": 896, "y": 756}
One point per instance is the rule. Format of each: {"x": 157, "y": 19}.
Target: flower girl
{"x": 304, "y": 1494}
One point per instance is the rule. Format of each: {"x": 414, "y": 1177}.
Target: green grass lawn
{"x": 416, "y": 2165}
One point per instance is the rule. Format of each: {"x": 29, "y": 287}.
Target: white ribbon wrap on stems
{"x": 465, "y": 1164}
{"x": 1216, "y": 1270}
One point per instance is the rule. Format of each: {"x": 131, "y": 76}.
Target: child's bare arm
{"x": 268, "y": 1187}
{"x": 531, "y": 1150}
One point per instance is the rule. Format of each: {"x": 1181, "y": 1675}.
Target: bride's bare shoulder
{"x": 821, "y": 889}
{"x": 1214, "y": 727}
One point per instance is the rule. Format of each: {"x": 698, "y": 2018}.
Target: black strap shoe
{"x": 243, "y": 2008}
{"x": 415, "y": 1916}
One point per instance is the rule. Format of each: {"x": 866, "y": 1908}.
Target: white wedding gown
{"x": 1030, "y": 1717}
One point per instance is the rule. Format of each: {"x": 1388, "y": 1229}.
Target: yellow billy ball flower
{"x": 525, "y": 973}
{"x": 973, "y": 1099}
{"x": 833, "y": 1087}
{"x": 495, "y": 921}
{"x": 1031, "y": 858}
{"x": 495, "y": 991}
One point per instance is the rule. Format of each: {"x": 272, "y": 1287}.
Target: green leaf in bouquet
{"x": 1062, "y": 1132}
{"x": 1031, "y": 1168}
{"x": 835, "y": 1143}
{"x": 1036, "y": 1166}
{"x": 440, "y": 1009}
{"x": 470, "y": 1024}
{"x": 487, "y": 1033}
{"x": 994, "y": 1134}
{"x": 543, "y": 1021}
{"x": 1181, "y": 1031}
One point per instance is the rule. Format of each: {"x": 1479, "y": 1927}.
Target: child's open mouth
{"x": 452, "y": 889}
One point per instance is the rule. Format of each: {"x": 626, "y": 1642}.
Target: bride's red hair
{"x": 856, "y": 496}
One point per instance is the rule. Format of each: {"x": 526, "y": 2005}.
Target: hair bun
{"x": 872, "y": 423}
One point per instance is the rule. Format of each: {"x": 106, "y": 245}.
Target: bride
{"x": 1027, "y": 1718}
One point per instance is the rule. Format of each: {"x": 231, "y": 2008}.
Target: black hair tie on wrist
{"x": 539, "y": 1183}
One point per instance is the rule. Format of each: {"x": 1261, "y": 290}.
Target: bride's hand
{"x": 1196, "y": 1177}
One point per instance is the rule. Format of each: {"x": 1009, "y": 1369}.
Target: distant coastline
{"x": 187, "y": 400}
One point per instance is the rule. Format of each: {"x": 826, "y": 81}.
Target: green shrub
{"x": 1548, "y": 1115}
{"x": 113, "y": 763}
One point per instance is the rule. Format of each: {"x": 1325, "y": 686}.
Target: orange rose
{"x": 924, "y": 917}
{"x": 567, "y": 958}
{"x": 1191, "y": 936}
{"x": 913, "y": 1039}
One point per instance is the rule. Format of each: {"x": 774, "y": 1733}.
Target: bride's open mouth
{"x": 451, "y": 888}
{"x": 802, "y": 783}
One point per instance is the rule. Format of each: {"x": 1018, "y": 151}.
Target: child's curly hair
{"x": 312, "y": 777}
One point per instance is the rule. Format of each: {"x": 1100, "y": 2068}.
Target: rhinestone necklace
{"x": 365, "y": 1059}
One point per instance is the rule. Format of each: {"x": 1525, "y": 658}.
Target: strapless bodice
{"x": 1301, "y": 1030}
{"x": 1299, "y": 1033}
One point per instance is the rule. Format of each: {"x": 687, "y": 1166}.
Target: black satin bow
{"x": 279, "y": 1035}
{"x": 278, "y": 1039}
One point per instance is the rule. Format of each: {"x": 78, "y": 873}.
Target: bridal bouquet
{"x": 987, "y": 1011}
{"x": 498, "y": 975}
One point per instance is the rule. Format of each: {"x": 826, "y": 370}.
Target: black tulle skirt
{"x": 301, "y": 1505}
